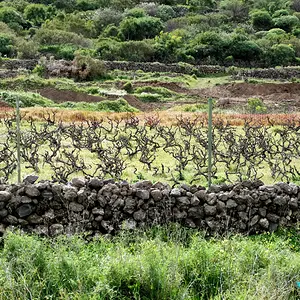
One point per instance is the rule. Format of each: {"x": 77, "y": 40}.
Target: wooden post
{"x": 210, "y": 108}
{"x": 18, "y": 138}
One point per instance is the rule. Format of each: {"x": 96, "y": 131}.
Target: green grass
{"x": 162, "y": 263}
{"x": 28, "y": 99}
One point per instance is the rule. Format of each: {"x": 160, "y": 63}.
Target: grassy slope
{"x": 162, "y": 263}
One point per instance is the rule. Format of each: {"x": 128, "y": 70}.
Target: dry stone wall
{"x": 63, "y": 67}
{"x": 270, "y": 73}
{"x": 104, "y": 206}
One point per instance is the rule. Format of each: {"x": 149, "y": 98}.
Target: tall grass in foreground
{"x": 161, "y": 263}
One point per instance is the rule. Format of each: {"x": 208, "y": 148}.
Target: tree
{"x": 140, "y": 28}
{"x": 36, "y": 13}
{"x": 261, "y": 20}
{"x": 106, "y": 16}
{"x": 271, "y": 5}
{"x": 6, "y": 44}
{"x": 236, "y": 9}
{"x": 245, "y": 50}
{"x": 280, "y": 55}
{"x": 167, "y": 46}
{"x": 9, "y": 15}
{"x": 286, "y": 22}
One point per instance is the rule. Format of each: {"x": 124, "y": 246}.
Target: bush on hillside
{"x": 139, "y": 51}
{"x": 140, "y": 28}
{"x": 286, "y": 22}
{"x": 261, "y": 20}
{"x": 60, "y": 37}
{"x": 87, "y": 68}
{"x": 6, "y": 45}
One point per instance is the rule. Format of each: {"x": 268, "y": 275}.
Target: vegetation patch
{"x": 161, "y": 263}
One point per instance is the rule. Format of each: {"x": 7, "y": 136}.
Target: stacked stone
{"x": 271, "y": 73}
{"x": 105, "y": 206}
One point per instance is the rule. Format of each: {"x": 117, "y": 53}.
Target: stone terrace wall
{"x": 106, "y": 206}
{"x": 14, "y": 64}
{"x": 271, "y": 73}
{"x": 159, "y": 67}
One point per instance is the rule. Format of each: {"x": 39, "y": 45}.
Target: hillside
{"x": 228, "y": 32}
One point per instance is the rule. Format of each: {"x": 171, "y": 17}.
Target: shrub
{"x": 27, "y": 49}
{"x": 148, "y": 97}
{"x": 256, "y": 105}
{"x": 128, "y": 87}
{"x": 59, "y": 37}
{"x": 281, "y": 55}
{"x": 6, "y": 44}
{"x": 26, "y": 99}
{"x": 106, "y": 16}
{"x": 36, "y": 13}
{"x": 11, "y": 16}
{"x": 140, "y": 28}
{"x": 280, "y": 13}
{"x": 165, "y": 12}
{"x": 261, "y": 20}
{"x": 87, "y": 68}
{"x": 60, "y": 51}
{"x": 164, "y": 92}
{"x": 120, "y": 105}
{"x": 286, "y": 22}
{"x": 236, "y": 9}
{"x": 135, "y": 13}
{"x": 246, "y": 50}
{"x": 139, "y": 51}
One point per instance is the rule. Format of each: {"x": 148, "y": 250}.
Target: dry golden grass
{"x": 166, "y": 117}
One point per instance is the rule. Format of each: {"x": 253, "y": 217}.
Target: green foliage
{"x": 27, "y": 49}
{"x": 256, "y": 105}
{"x": 140, "y": 28}
{"x": 36, "y": 13}
{"x": 236, "y": 9}
{"x": 88, "y": 68}
{"x": 280, "y": 13}
{"x": 6, "y": 44}
{"x": 165, "y": 12}
{"x": 168, "y": 46}
{"x": 11, "y": 16}
{"x": 167, "y": 262}
{"x": 149, "y": 97}
{"x": 261, "y": 20}
{"x": 286, "y": 22}
{"x": 26, "y": 99}
{"x": 119, "y": 106}
{"x": 140, "y": 51}
{"x": 40, "y": 70}
{"x": 66, "y": 51}
{"x": 105, "y": 17}
{"x": 135, "y": 13}
{"x": 281, "y": 55}
{"x": 128, "y": 87}
{"x": 59, "y": 37}
{"x": 245, "y": 50}
{"x": 79, "y": 23}
{"x": 193, "y": 31}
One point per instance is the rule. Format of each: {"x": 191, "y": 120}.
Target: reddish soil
{"x": 277, "y": 96}
{"x": 172, "y": 86}
{"x": 60, "y": 96}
